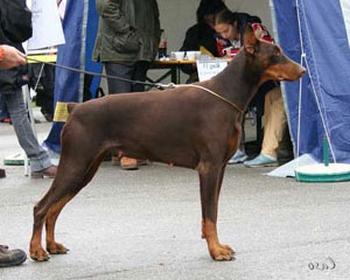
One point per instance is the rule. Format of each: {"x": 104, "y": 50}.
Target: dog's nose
{"x": 301, "y": 71}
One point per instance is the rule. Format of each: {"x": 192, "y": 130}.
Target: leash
{"x": 212, "y": 93}
{"x": 156, "y": 85}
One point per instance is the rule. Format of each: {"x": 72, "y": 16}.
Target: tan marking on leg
{"x": 217, "y": 251}
{"x": 51, "y": 245}
{"x": 36, "y": 250}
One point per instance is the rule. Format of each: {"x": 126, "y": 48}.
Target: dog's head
{"x": 268, "y": 57}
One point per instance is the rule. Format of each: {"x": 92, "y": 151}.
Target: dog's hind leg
{"x": 211, "y": 177}
{"x": 40, "y": 211}
{"x": 51, "y": 245}
{"x": 68, "y": 182}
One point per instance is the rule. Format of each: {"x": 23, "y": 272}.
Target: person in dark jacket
{"x": 10, "y": 57}
{"x": 127, "y": 41}
{"x": 15, "y": 28}
{"x": 202, "y": 36}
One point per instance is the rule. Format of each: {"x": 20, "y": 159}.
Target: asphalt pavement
{"x": 146, "y": 224}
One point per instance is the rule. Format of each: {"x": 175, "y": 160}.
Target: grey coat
{"x": 129, "y": 31}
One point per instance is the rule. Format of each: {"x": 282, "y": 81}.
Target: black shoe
{"x": 2, "y": 173}
{"x": 11, "y": 257}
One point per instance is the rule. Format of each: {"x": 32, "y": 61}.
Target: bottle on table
{"x": 163, "y": 45}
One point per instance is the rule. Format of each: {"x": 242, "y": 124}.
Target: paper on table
{"x": 208, "y": 68}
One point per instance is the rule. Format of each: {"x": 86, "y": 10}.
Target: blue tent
{"x": 317, "y": 35}
{"x": 80, "y": 28}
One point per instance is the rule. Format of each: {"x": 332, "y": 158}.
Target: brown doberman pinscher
{"x": 188, "y": 126}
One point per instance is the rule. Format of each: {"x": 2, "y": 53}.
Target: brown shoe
{"x": 11, "y": 257}
{"x": 49, "y": 172}
{"x": 127, "y": 163}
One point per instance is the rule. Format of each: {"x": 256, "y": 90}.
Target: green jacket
{"x": 129, "y": 31}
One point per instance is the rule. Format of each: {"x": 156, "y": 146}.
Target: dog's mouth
{"x": 283, "y": 78}
{"x": 287, "y": 79}
{"x": 293, "y": 76}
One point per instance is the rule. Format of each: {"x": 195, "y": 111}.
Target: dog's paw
{"x": 222, "y": 253}
{"x": 39, "y": 255}
{"x": 56, "y": 248}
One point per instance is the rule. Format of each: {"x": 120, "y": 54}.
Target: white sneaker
{"x": 261, "y": 160}
{"x": 238, "y": 157}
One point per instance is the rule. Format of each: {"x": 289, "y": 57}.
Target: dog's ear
{"x": 250, "y": 41}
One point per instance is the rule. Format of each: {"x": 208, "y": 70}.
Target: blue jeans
{"x": 39, "y": 158}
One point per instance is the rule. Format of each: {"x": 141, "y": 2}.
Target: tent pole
{"x": 273, "y": 17}
{"x": 302, "y": 57}
{"x": 83, "y": 49}
{"x": 283, "y": 89}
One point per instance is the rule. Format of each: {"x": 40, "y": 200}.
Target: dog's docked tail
{"x": 71, "y": 106}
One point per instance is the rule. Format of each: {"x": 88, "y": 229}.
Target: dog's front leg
{"x": 210, "y": 184}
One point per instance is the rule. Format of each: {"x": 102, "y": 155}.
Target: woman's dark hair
{"x": 241, "y": 19}
{"x": 209, "y": 7}
{"x": 226, "y": 16}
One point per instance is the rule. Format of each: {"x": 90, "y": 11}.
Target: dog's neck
{"x": 239, "y": 81}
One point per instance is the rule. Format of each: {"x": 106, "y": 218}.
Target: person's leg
{"x": 118, "y": 86}
{"x": 140, "y": 74}
{"x": 240, "y": 155}
{"x": 2, "y": 173}
{"x": 48, "y": 82}
{"x": 11, "y": 257}
{"x": 4, "y": 115}
{"x": 121, "y": 71}
{"x": 275, "y": 123}
{"x": 39, "y": 158}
